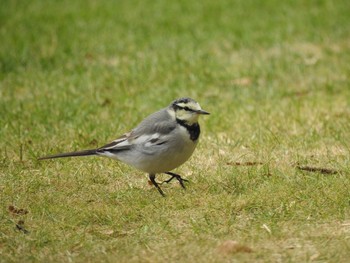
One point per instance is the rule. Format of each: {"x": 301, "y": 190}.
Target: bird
{"x": 160, "y": 143}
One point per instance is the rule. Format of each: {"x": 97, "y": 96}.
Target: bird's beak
{"x": 203, "y": 112}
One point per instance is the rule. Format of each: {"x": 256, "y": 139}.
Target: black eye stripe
{"x": 192, "y": 110}
{"x": 185, "y": 108}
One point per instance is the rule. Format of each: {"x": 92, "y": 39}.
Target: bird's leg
{"x": 152, "y": 177}
{"x": 178, "y": 177}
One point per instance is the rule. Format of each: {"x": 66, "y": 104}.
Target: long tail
{"x": 70, "y": 154}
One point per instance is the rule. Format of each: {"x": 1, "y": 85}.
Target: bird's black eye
{"x": 184, "y": 108}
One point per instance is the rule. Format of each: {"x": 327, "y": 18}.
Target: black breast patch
{"x": 194, "y": 129}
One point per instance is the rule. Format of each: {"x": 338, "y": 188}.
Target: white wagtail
{"x": 160, "y": 143}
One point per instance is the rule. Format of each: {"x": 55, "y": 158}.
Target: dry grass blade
{"x": 20, "y": 227}
{"x": 17, "y": 211}
{"x": 317, "y": 169}
{"x": 245, "y": 163}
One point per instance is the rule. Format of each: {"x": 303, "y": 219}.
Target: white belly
{"x": 162, "y": 158}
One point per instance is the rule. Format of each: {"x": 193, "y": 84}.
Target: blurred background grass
{"x": 273, "y": 74}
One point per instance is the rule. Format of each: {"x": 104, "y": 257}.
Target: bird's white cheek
{"x": 192, "y": 118}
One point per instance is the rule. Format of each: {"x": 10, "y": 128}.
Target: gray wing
{"x": 159, "y": 122}
{"x": 154, "y": 130}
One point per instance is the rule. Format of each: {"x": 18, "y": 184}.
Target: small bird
{"x": 160, "y": 143}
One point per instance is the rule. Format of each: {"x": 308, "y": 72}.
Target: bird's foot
{"x": 178, "y": 177}
{"x": 152, "y": 178}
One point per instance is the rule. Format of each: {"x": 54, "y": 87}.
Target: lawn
{"x": 270, "y": 178}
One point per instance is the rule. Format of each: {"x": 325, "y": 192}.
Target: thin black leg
{"x": 152, "y": 177}
{"x": 178, "y": 177}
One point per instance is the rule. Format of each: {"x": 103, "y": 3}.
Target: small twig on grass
{"x": 244, "y": 163}
{"x": 264, "y": 226}
{"x": 16, "y": 211}
{"x": 20, "y": 227}
{"x": 317, "y": 169}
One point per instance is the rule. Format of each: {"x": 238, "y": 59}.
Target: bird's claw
{"x": 178, "y": 177}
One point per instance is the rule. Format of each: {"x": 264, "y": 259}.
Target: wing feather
{"x": 152, "y": 132}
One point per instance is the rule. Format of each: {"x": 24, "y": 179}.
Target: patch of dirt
{"x": 233, "y": 247}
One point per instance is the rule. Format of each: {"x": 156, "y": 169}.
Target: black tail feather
{"x": 70, "y": 154}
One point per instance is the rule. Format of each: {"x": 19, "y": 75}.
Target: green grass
{"x": 274, "y": 75}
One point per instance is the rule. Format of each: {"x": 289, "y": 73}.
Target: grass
{"x": 274, "y": 75}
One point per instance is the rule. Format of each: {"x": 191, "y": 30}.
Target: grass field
{"x": 273, "y": 74}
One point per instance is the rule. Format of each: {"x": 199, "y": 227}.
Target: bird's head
{"x": 187, "y": 110}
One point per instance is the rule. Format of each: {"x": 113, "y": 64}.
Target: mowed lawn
{"x": 270, "y": 178}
